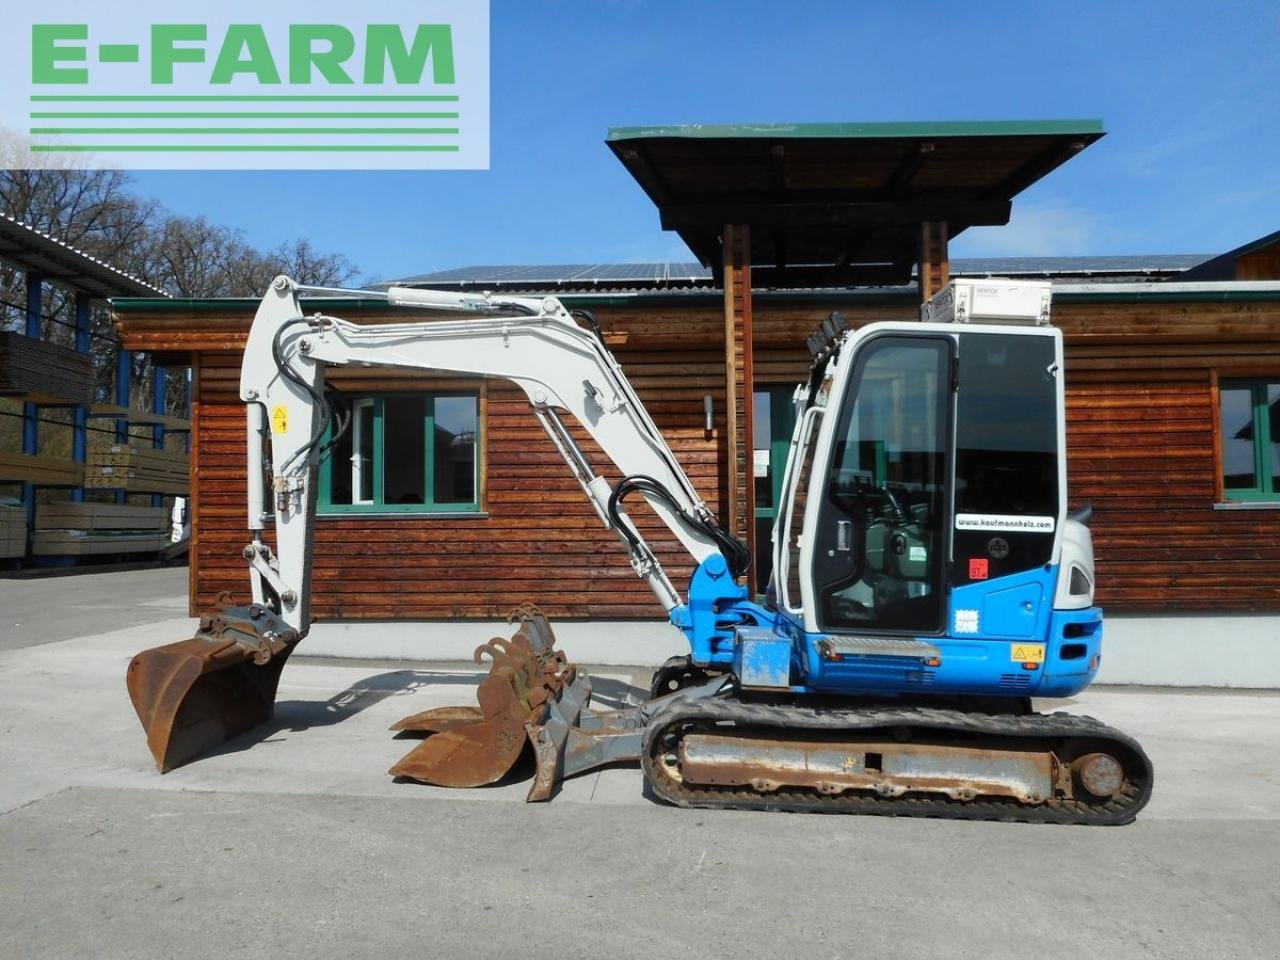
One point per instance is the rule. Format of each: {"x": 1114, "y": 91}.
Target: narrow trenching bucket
{"x": 474, "y": 746}
{"x": 196, "y": 694}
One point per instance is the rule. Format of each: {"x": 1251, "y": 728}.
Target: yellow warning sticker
{"x": 1027, "y": 652}
{"x": 280, "y": 419}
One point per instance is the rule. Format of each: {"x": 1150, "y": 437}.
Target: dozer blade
{"x": 196, "y": 694}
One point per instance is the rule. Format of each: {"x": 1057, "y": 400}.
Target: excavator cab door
{"x": 924, "y": 447}
{"x": 880, "y": 538}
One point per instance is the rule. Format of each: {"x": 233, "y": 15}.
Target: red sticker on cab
{"x": 979, "y": 568}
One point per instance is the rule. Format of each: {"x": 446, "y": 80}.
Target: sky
{"x": 1189, "y": 94}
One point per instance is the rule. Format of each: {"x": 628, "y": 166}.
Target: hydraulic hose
{"x": 590, "y": 318}
{"x": 317, "y": 399}
{"x": 736, "y": 553}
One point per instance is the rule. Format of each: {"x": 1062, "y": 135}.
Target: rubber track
{"x": 757, "y": 719}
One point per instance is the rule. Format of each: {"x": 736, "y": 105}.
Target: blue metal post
{"x": 159, "y": 405}
{"x": 31, "y": 411}
{"x": 124, "y": 373}
{"x": 80, "y": 423}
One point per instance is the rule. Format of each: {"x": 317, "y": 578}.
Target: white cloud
{"x": 1046, "y": 229}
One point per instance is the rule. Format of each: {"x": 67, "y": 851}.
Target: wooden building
{"x": 1173, "y": 388}
{"x": 80, "y": 478}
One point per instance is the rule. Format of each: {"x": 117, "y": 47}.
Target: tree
{"x": 307, "y": 265}
{"x": 97, "y": 212}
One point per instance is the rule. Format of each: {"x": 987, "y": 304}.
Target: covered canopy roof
{"x": 839, "y": 203}
{"x": 36, "y": 252}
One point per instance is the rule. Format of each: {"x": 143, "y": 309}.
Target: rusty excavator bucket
{"x": 528, "y": 683}
{"x": 196, "y": 694}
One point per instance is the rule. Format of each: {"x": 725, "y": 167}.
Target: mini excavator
{"x": 928, "y": 579}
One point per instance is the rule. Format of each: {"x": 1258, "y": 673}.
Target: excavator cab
{"x": 926, "y": 512}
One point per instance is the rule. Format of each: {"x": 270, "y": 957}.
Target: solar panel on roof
{"x": 653, "y": 272}
{"x": 661, "y": 275}
{"x": 1086, "y": 265}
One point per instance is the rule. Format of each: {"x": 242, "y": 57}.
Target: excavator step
{"x": 837, "y": 647}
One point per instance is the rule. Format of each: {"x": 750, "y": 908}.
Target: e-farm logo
{"x": 406, "y": 86}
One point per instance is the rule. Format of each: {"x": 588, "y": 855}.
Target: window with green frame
{"x": 1249, "y": 432}
{"x": 406, "y": 453}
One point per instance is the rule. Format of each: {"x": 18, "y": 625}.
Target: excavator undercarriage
{"x": 896, "y": 761}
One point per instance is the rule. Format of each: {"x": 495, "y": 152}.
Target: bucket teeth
{"x": 473, "y": 746}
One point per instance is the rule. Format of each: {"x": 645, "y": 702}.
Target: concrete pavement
{"x": 60, "y": 606}
{"x": 293, "y": 842}
{"x": 141, "y": 873}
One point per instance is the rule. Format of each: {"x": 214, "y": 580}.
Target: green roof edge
{"x": 869, "y": 130}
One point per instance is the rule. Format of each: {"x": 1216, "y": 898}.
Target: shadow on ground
{"x": 298, "y": 715}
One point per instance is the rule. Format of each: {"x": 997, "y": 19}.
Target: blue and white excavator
{"x": 928, "y": 580}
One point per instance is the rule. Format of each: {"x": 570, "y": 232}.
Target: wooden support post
{"x": 79, "y": 422}
{"x": 739, "y": 514}
{"x": 194, "y": 406}
{"x": 934, "y": 266}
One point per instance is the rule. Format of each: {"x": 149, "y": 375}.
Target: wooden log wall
{"x": 1261, "y": 264}
{"x": 1141, "y": 445}
{"x": 538, "y": 538}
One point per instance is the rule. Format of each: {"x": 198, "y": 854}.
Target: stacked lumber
{"x": 89, "y": 529}
{"x": 30, "y": 366}
{"x": 139, "y": 417}
{"x": 42, "y": 471}
{"x": 81, "y": 543}
{"x": 138, "y": 469}
{"x": 13, "y": 531}
{"x": 98, "y": 517}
